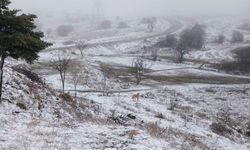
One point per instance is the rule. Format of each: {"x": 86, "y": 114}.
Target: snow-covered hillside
{"x": 190, "y": 106}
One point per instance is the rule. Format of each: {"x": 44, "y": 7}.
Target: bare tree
{"x": 138, "y": 68}
{"x": 151, "y": 24}
{"x": 154, "y": 53}
{"x": 76, "y": 74}
{"x": 81, "y": 46}
{"x": 181, "y": 50}
{"x": 104, "y": 86}
{"x": 61, "y": 64}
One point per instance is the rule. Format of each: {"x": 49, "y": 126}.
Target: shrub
{"x": 133, "y": 133}
{"x": 173, "y": 105}
{"x": 64, "y": 30}
{"x": 22, "y": 106}
{"x": 29, "y": 74}
{"x": 159, "y": 115}
{"x": 237, "y": 37}
{"x": 221, "y": 129}
{"x": 66, "y": 97}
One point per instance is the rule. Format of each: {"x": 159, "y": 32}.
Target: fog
{"x": 136, "y": 7}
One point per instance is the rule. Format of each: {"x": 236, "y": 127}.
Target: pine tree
{"x": 18, "y": 38}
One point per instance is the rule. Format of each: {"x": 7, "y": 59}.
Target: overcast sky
{"x": 137, "y": 7}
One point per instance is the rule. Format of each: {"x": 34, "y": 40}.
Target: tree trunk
{"x": 1, "y": 75}
{"x": 81, "y": 52}
{"x": 62, "y": 79}
{"x": 75, "y": 91}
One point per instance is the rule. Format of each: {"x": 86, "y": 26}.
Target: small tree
{"x": 138, "y": 68}
{"x": 64, "y": 30}
{"x": 154, "y": 53}
{"x": 81, "y": 46}
{"x": 181, "y": 50}
{"x": 151, "y": 24}
{"x": 237, "y": 37}
{"x": 77, "y": 75}
{"x": 18, "y": 38}
{"x": 61, "y": 64}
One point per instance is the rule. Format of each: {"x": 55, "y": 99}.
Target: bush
{"x": 221, "y": 129}
{"x": 66, "y": 97}
{"x": 106, "y": 24}
{"x": 159, "y": 115}
{"x": 237, "y": 37}
{"x": 122, "y": 25}
{"x": 29, "y": 74}
{"x": 64, "y": 30}
{"x": 22, "y": 106}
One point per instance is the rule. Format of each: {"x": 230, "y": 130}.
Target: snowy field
{"x": 179, "y": 105}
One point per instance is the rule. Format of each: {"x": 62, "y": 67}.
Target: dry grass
{"x": 173, "y": 135}
{"x": 133, "y": 133}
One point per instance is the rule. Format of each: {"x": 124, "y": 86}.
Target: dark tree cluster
{"x": 241, "y": 64}
{"x": 193, "y": 38}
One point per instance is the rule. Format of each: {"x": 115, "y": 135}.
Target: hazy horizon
{"x": 136, "y": 7}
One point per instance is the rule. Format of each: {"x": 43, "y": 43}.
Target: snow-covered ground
{"x": 177, "y": 108}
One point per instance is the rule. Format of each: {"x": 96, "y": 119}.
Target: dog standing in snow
{"x": 136, "y": 97}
